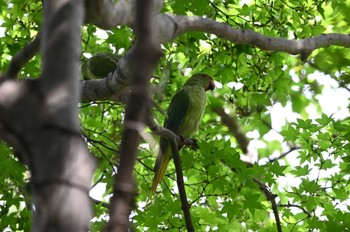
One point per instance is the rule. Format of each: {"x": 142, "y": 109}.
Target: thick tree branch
{"x": 60, "y": 47}
{"x": 168, "y": 27}
{"x": 62, "y": 166}
{"x": 240, "y": 36}
{"x": 39, "y": 118}
{"x": 106, "y": 14}
{"x": 144, "y": 58}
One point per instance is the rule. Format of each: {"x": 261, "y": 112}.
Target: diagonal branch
{"x": 250, "y": 155}
{"x": 234, "y": 128}
{"x": 243, "y": 141}
{"x": 268, "y": 194}
{"x": 281, "y": 156}
{"x": 270, "y": 197}
{"x": 22, "y": 57}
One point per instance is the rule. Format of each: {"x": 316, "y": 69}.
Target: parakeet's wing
{"x": 177, "y": 110}
{"x": 183, "y": 117}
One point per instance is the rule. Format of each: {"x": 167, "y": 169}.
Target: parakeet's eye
{"x": 211, "y": 86}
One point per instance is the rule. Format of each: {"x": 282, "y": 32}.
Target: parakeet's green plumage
{"x": 183, "y": 117}
{"x": 99, "y": 65}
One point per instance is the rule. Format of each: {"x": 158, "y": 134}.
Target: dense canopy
{"x": 273, "y": 144}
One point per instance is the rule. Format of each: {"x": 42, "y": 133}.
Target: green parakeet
{"x": 99, "y": 65}
{"x": 183, "y": 118}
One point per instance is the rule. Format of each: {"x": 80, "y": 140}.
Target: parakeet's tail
{"x": 162, "y": 161}
{"x": 160, "y": 173}
{"x": 160, "y": 170}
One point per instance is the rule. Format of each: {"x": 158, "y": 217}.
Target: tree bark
{"x": 144, "y": 58}
{"x": 39, "y": 118}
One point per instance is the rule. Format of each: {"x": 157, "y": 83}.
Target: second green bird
{"x": 183, "y": 118}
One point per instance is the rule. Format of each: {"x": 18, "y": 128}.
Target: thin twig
{"x": 289, "y": 205}
{"x": 296, "y": 147}
{"x": 270, "y": 197}
{"x": 268, "y": 194}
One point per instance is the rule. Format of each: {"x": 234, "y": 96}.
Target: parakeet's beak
{"x": 211, "y": 86}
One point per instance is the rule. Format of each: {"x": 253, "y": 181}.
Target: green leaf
{"x": 276, "y": 168}
{"x": 305, "y": 124}
{"x": 327, "y": 164}
{"x": 252, "y": 202}
{"x": 324, "y": 120}
{"x": 301, "y": 171}
{"x": 245, "y": 10}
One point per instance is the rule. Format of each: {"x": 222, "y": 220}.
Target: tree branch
{"x": 293, "y": 148}
{"x": 268, "y": 194}
{"x": 240, "y": 36}
{"x": 181, "y": 185}
{"x": 171, "y": 26}
{"x": 234, "y": 128}
{"x": 144, "y": 57}
{"x": 61, "y": 48}
{"x": 289, "y": 205}
{"x": 270, "y": 197}
{"x": 168, "y": 27}
{"x": 22, "y": 57}
{"x": 107, "y": 14}
{"x": 169, "y": 134}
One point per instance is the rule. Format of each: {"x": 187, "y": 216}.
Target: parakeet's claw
{"x": 189, "y": 142}
{"x": 193, "y": 144}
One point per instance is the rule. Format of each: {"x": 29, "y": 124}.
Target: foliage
{"x": 311, "y": 187}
